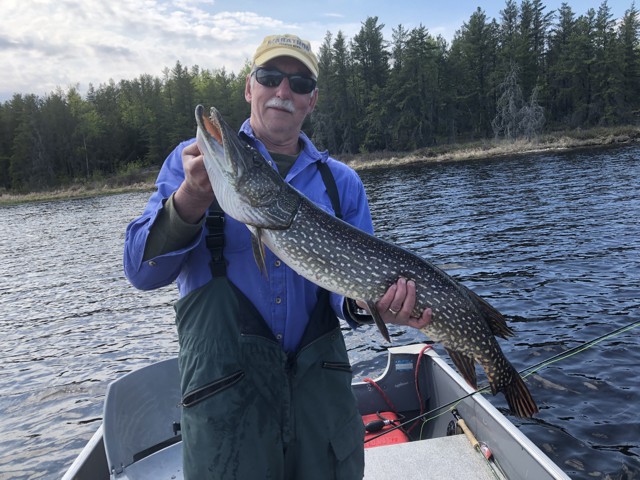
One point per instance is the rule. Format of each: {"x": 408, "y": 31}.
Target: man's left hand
{"x": 397, "y": 304}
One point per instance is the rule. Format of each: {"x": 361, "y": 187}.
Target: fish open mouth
{"x": 209, "y": 124}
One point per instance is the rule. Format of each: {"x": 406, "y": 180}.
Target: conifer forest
{"x": 527, "y": 72}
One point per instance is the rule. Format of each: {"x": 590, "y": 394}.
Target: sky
{"x": 51, "y": 44}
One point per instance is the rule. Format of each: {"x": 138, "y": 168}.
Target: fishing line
{"x": 577, "y": 349}
{"x": 530, "y": 370}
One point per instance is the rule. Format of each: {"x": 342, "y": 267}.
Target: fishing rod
{"x": 481, "y": 447}
{"x": 527, "y": 371}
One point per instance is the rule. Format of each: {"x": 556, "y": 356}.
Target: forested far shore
{"x": 517, "y": 78}
{"x": 142, "y": 179}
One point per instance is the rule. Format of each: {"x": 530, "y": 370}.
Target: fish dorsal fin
{"x": 496, "y": 321}
{"x": 465, "y": 365}
{"x": 258, "y": 250}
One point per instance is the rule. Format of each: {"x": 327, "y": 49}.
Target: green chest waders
{"x": 250, "y": 411}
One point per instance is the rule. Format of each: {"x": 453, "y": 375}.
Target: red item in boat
{"x": 378, "y": 423}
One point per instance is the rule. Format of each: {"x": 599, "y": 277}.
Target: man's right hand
{"x": 195, "y": 194}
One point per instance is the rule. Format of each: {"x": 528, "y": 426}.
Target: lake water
{"x": 551, "y": 240}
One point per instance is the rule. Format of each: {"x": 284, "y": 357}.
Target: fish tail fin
{"x": 519, "y": 398}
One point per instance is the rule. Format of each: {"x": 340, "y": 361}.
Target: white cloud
{"x": 45, "y": 45}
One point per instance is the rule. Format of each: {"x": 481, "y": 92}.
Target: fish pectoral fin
{"x": 465, "y": 365}
{"x": 258, "y": 250}
{"x": 378, "y": 319}
{"x": 496, "y": 321}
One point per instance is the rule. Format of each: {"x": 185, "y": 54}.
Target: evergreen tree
{"x": 560, "y": 77}
{"x": 57, "y": 137}
{"x": 86, "y": 135}
{"x": 629, "y": 40}
{"x": 582, "y": 59}
{"x": 607, "y": 70}
{"x": 324, "y": 134}
{"x": 371, "y": 72}
{"x": 342, "y": 94}
{"x": 575, "y": 71}
{"x": 29, "y": 167}
{"x": 181, "y": 106}
{"x": 474, "y": 50}
{"x": 414, "y": 92}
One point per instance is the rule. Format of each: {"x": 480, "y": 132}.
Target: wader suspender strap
{"x": 330, "y": 185}
{"x": 215, "y": 239}
{"x": 215, "y": 221}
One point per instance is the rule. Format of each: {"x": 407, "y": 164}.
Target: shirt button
{"x": 278, "y": 300}
{"x": 278, "y": 263}
{"x": 279, "y": 336}
{"x": 151, "y": 263}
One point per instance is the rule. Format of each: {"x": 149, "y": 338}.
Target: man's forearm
{"x": 170, "y": 232}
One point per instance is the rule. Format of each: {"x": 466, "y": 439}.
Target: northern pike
{"x": 343, "y": 259}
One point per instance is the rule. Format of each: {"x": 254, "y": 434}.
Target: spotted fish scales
{"x": 343, "y": 259}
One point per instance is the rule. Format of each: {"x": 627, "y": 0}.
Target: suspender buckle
{"x": 215, "y": 221}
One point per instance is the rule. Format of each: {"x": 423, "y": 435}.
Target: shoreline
{"x": 76, "y": 191}
{"x": 486, "y": 149}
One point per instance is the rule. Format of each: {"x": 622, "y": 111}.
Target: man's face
{"x": 277, "y": 112}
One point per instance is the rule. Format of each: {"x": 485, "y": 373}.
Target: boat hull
{"x": 118, "y": 451}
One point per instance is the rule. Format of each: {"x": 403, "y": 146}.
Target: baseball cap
{"x": 286, "y": 45}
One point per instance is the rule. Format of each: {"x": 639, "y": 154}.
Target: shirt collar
{"x": 309, "y": 153}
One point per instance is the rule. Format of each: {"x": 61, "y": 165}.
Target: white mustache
{"x": 276, "y": 102}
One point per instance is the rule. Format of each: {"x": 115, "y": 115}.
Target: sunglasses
{"x": 271, "y": 77}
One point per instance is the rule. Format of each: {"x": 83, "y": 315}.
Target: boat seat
{"x": 444, "y": 458}
{"x": 141, "y": 416}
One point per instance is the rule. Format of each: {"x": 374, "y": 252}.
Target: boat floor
{"x": 444, "y": 458}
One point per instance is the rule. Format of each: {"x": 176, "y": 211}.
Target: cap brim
{"x": 286, "y": 52}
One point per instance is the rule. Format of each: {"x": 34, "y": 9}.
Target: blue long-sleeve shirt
{"x": 283, "y": 298}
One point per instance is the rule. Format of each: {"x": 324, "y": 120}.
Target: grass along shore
{"x": 143, "y": 179}
{"x": 552, "y": 142}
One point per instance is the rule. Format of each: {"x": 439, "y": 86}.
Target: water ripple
{"x": 551, "y": 240}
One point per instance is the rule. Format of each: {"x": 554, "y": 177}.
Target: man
{"x": 265, "y": 375}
